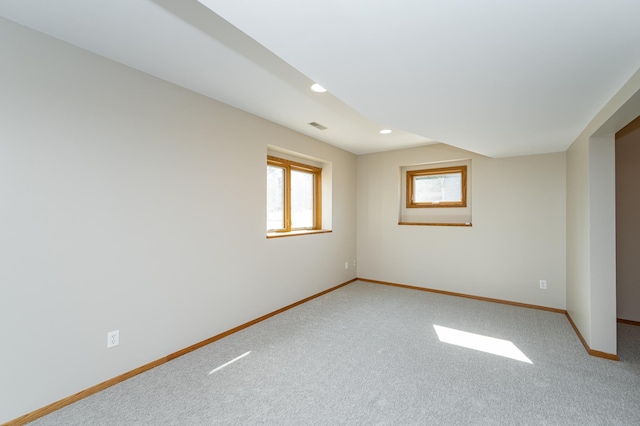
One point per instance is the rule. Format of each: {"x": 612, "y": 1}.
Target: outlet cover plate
{"x": 113, "y": 338}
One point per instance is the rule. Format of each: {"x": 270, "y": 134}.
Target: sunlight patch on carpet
{"x": 229, "y": 362}
{"x": 481, "y": 343}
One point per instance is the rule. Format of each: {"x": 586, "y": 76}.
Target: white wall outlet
{"x": 113, "y": 338}
{"x": 543, "y": 284}
{"x": 354, "y": 263}
{"x": 346, "y": 265}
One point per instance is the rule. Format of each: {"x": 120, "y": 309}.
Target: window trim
{"x": 288, "y": 166}
{"x": 437, "y": 171}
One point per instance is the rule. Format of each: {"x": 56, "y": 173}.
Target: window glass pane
{"x": 275, "y": 197}
{"x": 437, "y": 188}
{"x": 302, "y": 191}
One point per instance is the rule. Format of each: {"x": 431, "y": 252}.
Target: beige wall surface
{"x": 628, "y": 225}
{"x": 578, "y": 255}
{"x": 131, "y": 204}
{"x": 517, "y": 237}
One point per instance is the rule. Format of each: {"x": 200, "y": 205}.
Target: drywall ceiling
{"x": 496, "y": 77}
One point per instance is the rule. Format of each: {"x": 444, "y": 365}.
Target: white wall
{"x": 591, "y": 274}
{"x": 517, "y": 237}
{"x": 602, "y": 200}
{"x": 591, "y": 258}
{"x": 128, "y": 203}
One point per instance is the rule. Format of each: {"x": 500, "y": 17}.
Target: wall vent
{"x": 317, "y": 125}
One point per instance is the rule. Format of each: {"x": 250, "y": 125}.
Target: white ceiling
{"x": 497, "y": 77}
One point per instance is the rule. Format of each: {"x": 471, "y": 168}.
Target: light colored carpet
{"x": 368, "y": 354}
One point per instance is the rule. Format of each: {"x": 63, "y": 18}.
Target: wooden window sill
{"x": 434, "y": 224}
{"x": 297, "y": 233}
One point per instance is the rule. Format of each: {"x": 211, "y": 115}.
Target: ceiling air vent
{"x": 317, "y": 125}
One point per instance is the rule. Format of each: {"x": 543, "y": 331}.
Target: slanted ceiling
{"x": 496, "y": 77}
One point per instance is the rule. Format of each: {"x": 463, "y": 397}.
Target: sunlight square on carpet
{"x": 229, "y": 362}
{"x": 478, "y": 342}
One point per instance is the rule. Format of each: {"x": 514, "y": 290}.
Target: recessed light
{"x": 385, "y": 131}
{"x": 317, "y": 88}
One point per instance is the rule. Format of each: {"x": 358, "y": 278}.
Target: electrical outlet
{"x": 354, "y": 263}
{"x": 346, "y": 265}
{"x": 543, "y": 284}
{"x": 113, "y": 338}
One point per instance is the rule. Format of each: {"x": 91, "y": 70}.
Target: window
{"x": 293, "y": 196}
{"x": 436, "y": 194}
{"x": 441, "y": 187}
